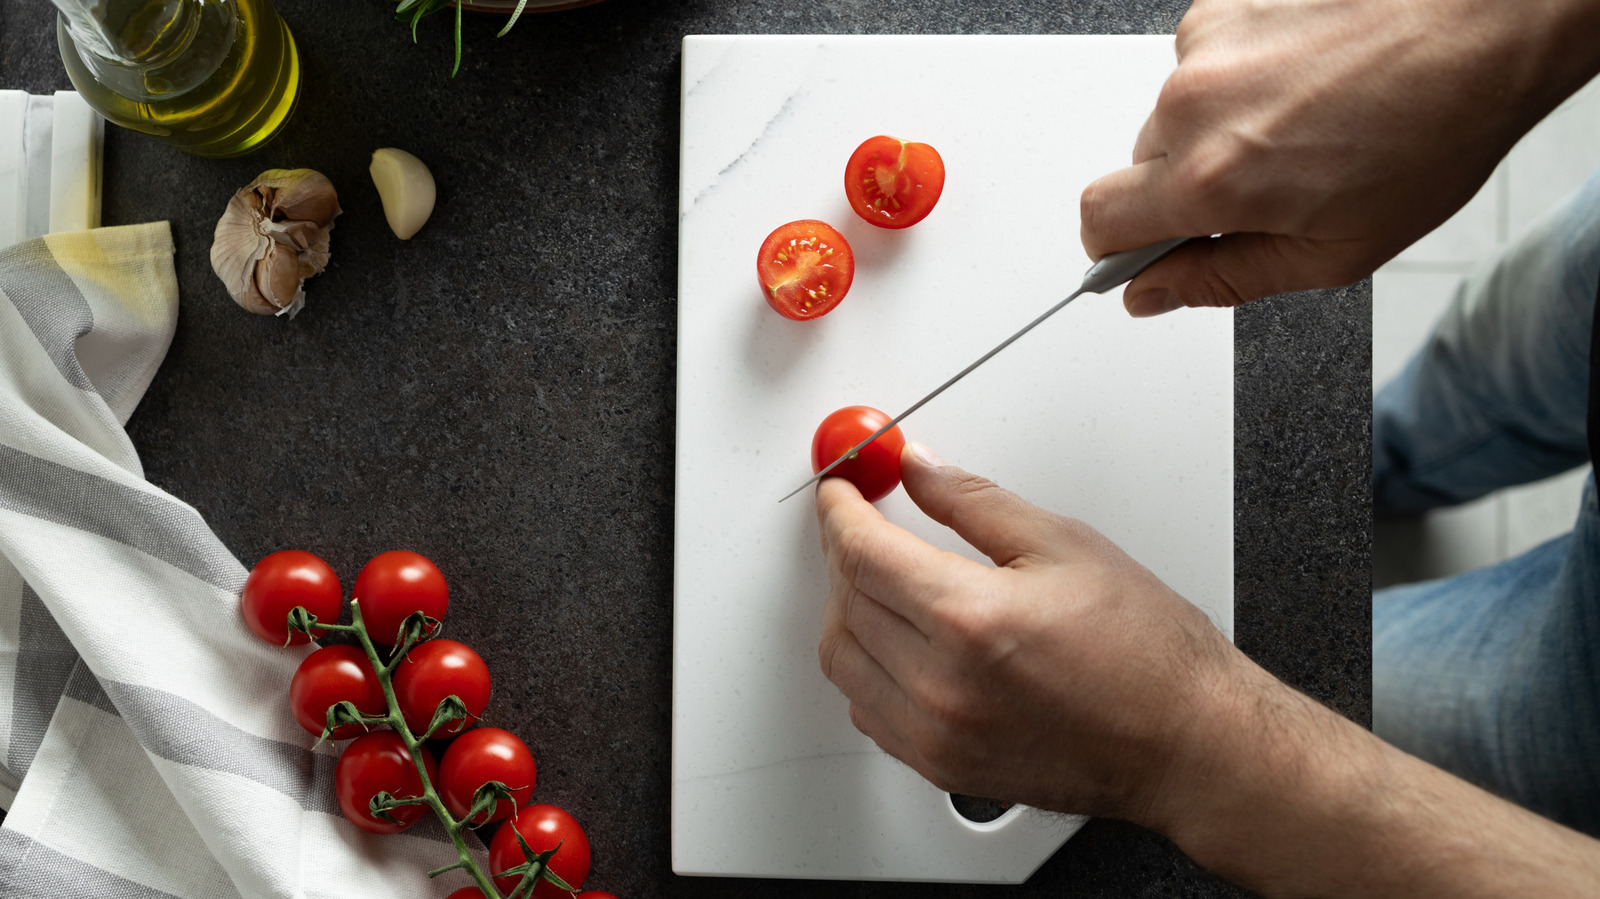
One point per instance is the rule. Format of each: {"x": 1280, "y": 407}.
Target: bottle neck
{"x": 148, "y": 49}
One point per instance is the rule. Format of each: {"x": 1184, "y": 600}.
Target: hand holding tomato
{"x": 1069, "y": 677}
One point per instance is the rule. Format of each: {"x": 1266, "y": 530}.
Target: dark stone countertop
{"x": 498, "y": 392}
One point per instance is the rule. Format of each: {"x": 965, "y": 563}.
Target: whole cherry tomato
{"x": 544, "y": 827}
{"x": 805, "y": 268}
{"x": 433, "y": 671}
{"x": 331, "y": 675}
{"x": 395, "y": 584}
{"x": 479, "y": 756}
{"x": 875, "y": 470}
{"x": 282, "y": 581}
{"x": 379, "y": 763}
{"x": 893, "y": 183}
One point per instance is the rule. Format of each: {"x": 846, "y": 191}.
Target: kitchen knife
{"x": 1112, "y": 271}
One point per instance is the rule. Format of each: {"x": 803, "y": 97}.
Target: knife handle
{"x": 1120, "y": 268}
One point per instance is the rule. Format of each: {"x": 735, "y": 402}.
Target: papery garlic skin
{"x": 406, "y": 188}
{"x": 273, "y": 236}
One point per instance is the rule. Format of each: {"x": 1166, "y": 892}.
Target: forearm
{"x": 1282, "y": 795}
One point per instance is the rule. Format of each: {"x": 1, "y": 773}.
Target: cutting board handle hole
{"x": 979, "y": 810}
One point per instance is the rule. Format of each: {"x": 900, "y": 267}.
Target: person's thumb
{"x": 1236, "y": 268}
{"x": 997, "y": 522}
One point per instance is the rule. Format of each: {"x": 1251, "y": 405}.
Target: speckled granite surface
{"x": 498, "y": 392}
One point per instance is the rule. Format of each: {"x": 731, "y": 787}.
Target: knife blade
{"x": 1112, "y": 271}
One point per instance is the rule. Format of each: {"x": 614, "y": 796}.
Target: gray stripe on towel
{"x": 151, "y": 523}
{"x": 50, "y": 303}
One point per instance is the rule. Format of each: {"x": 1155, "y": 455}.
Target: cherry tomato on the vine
{"x": 331, "y": 675}
{"x": 544, "y": 827}
{"x": 282, "y": 581}
{"x": 379, "y": 763}
{"x": 433, "y": 671}
{"x": 805, "y": 268}
{"x": 875, "y": 470}
{"x": 395, "y": 584}
{"x": 893, "y": 183}
{"x": 479, "y": 756}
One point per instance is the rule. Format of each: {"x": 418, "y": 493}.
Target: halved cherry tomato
{"x": 893, "y": 183}
{"x": 395, "y": 584}
{"x": 331, "y": 675}
{"x": 433, "y": 671}
{"x": 544, "y": 827}
{"x": 805, "y": 268}
{"x": 282, "y": 581}
{"x": 379, "y": 763}
{"x": 479, "y": 756}
{"x": 875, "y": 470}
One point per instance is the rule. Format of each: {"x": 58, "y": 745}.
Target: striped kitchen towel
{"x": 146, "y": 748}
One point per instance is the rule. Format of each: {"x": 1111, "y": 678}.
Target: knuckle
{"x": 829, "y": 651}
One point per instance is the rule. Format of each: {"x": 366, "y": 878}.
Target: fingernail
{"x": 1155, "y": 301}
{"x": 926, "y": 456}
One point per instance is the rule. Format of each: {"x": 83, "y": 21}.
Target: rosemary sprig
{"x": 416, "y": 10}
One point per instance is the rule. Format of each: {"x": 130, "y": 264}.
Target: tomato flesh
{"x": 805, "y": 269}
{"x": 893, "y": 183}
{"x": 875, "y": 469}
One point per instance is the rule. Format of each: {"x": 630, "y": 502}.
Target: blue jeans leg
{"x": 1495, "y": 674}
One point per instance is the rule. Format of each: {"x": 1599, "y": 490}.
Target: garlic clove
{"x": 406, "y": 188}
{"x": 272, "y": 236}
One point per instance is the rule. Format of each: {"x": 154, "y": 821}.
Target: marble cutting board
{"x": 1126, "y": 424}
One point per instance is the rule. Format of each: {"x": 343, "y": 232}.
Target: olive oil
{"x": 210, "y": 77}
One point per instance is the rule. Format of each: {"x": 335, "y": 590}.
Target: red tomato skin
{"x": 594, "y": 894}
{"x": 282, "y": 581}
{"x": 916, "y": 183}
{"x": 543, "y": 826}
{"x": 467, "y": 893}
{"x": 375, "y": 763}
{"x": 330, "y": 675}
{"x": 875, "y": 470}
{"x": 434, "y": 670}
{"x": 805, "y": 268}
{"x": 395, "y": 584}
{"x": 479, "y": 756}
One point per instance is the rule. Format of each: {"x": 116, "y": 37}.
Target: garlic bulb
{"x": 273, "y": 236}
{"x": 406, "y": 188}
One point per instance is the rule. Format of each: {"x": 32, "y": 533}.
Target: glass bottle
{"x": 210, "y": 77}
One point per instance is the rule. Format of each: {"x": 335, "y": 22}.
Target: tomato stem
{"x": 396, "y": 720}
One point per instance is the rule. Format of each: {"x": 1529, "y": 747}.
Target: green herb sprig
{"x": 417, "y": 10}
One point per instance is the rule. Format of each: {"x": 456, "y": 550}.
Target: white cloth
{"x": 146, "y": 745}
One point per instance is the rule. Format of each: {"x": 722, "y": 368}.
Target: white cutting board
{"x": 1126, "y": 424}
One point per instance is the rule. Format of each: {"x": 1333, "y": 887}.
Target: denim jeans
{"x": 1495, "y": 674}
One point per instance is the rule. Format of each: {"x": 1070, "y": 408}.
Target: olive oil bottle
{"x": 210, "y": 77}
